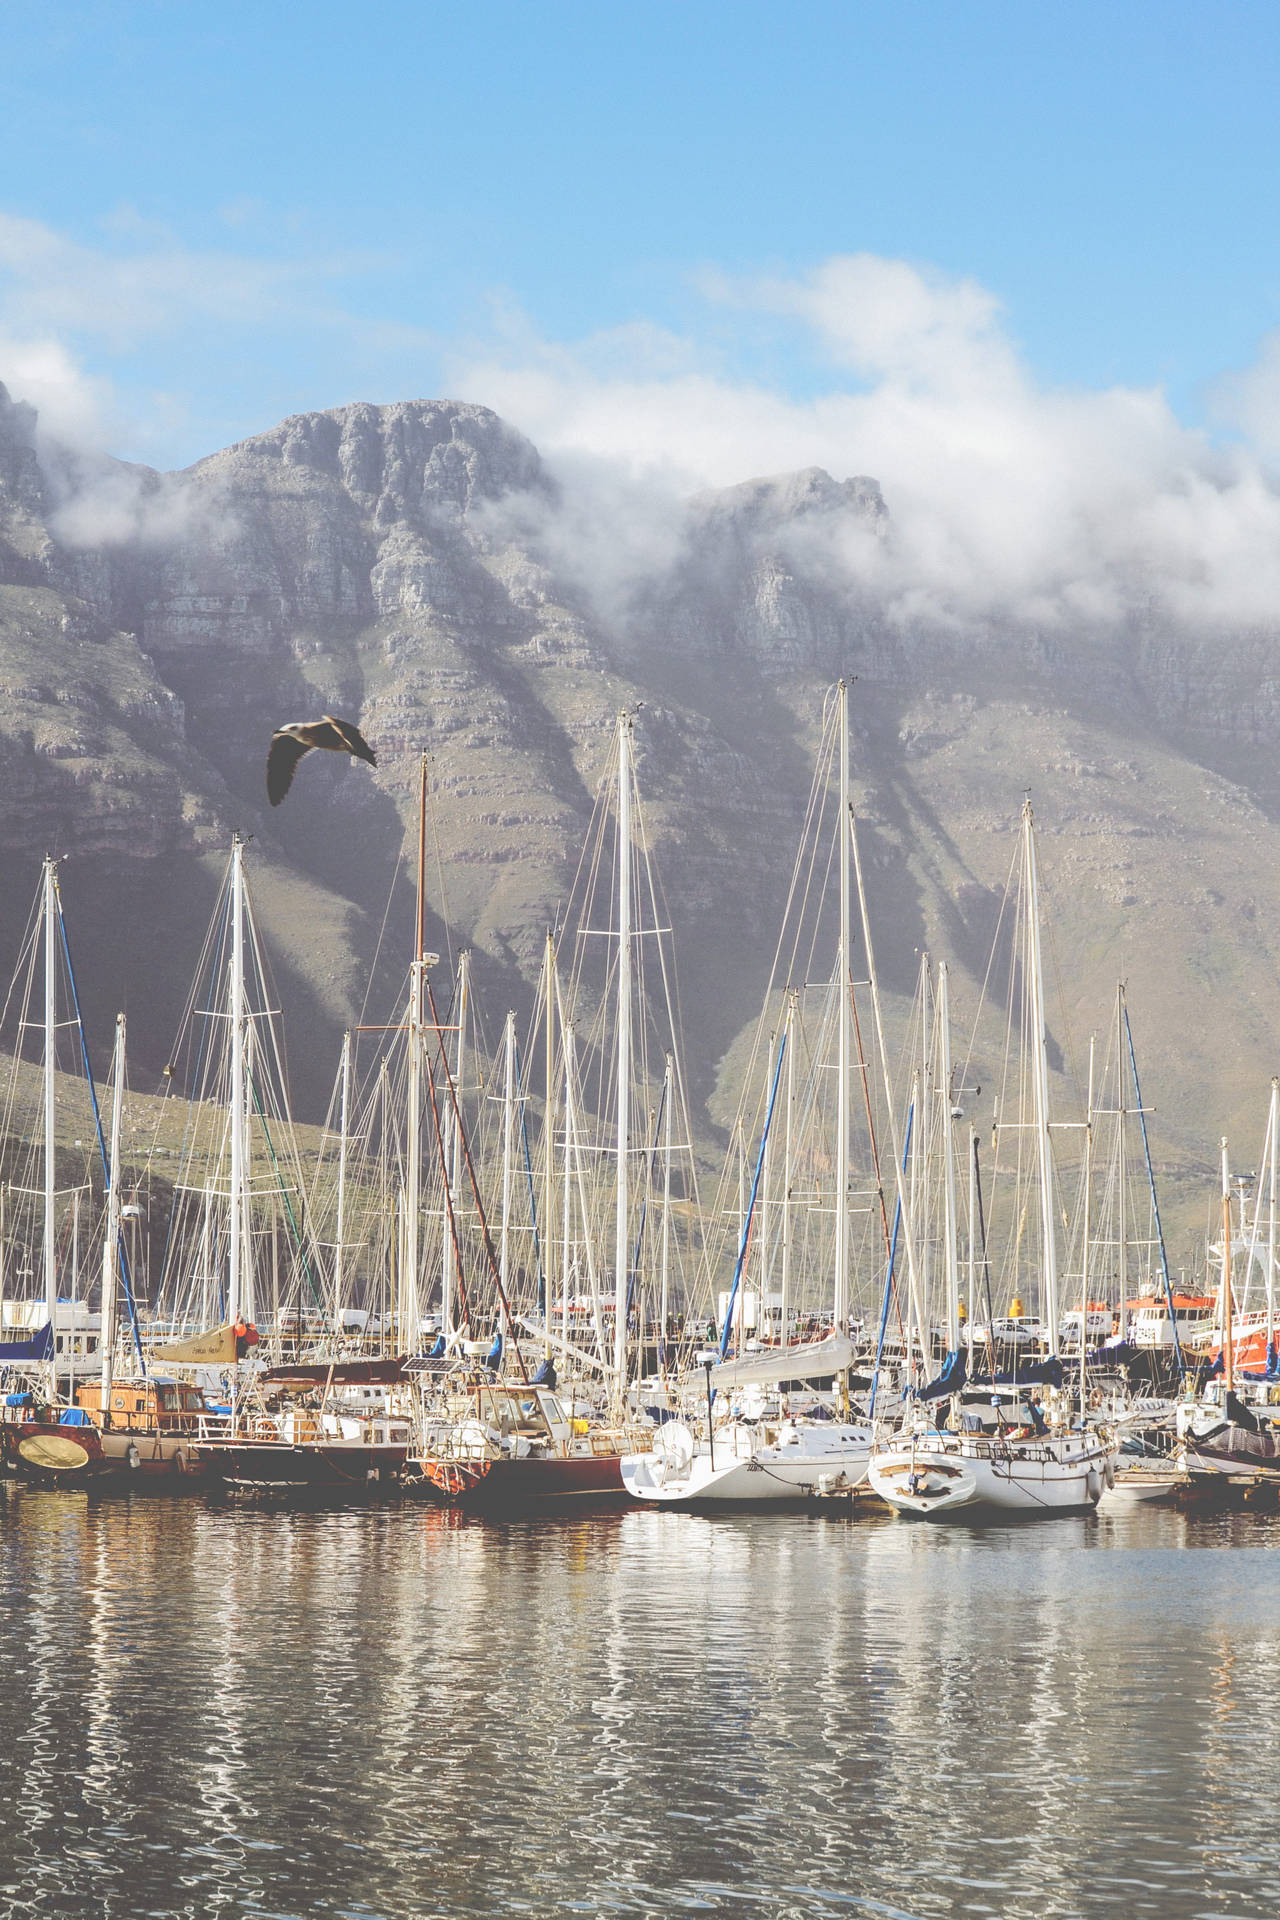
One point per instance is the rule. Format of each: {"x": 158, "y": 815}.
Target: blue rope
{"x": 893, "y": 1254}
{"x": 751, "y": 1204}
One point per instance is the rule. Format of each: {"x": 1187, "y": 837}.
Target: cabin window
{"x": 167, "y": 1397}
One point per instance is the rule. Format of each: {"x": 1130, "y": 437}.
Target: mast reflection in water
{"x": 396, "y": 1713}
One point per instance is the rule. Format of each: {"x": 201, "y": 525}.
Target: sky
{"x": 1019, "y": 262}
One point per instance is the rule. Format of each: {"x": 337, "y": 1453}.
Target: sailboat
{"x": 1006, "y": 1456}
{"x": 1221, "y": 1434}
{"x": 240, "y": 1179}
{"x": 43, "y": 1435}
{"x": 501, "y": 1436}
{"x": 786, "y": 1457}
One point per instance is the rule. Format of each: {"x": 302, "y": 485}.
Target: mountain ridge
{"x": 155, "y": 628}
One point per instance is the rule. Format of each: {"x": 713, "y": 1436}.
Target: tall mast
{"x": 1087, "y": 1224}
{"x": 448, "y": 1251}
{"x": 664, "y": 1307}
{"x": 408, "y": 1329}
{"x": 789, "y": 1116}
{"x": 840, "y": 1304}
{"x": 549, "y": 1162}
{"x": 950, "y": 1251}
{"x": 508, "y": 1157}
{"x": 1122, "y": 1171}
{"x": 111, "y": 1244}
{"x": 622, "y": 1209}
{"x": 1040, "y": 1076}
{"x": 1228, "y": 1371}
{"x": 50, "y": 1097}
{"x": 340, "y": 1247}
{"x": 1271, "y": 1219}
{"x": 236, "y": 1277}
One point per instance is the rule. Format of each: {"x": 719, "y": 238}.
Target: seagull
{"x": 288, "y": 744}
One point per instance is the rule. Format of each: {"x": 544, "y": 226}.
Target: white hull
{"x": 802, "y": 1462}
{"x": 1140, "y": 1484}
{"x": 941, "y": 1475}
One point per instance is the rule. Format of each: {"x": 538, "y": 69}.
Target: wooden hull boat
{"x": 514, "y": 1486}
{"x": 333, "y": 1464}
{"x": 48, "y": 1453}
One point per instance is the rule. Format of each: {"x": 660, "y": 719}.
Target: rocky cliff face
{"x": 155, "y": 628}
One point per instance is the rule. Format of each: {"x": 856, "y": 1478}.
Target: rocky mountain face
{"x": 154, "y": 629}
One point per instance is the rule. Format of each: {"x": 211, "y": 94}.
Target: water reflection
{"x": 392, "y": 1713}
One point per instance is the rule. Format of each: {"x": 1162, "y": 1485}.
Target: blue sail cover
{"x": 1036, "y": 1373}
{"x": 39, "y": 1347}
{"x": 493, "y": 1359}
{"x": 950, "y": 1380}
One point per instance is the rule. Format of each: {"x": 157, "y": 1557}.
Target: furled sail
{"x": 772, "y": 1364}
{"x": 216, "y": 1348}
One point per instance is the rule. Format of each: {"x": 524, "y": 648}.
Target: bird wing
{"x": 283, "y": 756}
{"x": 353, "y": 740}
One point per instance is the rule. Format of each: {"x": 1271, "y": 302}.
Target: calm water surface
{"x": 387, "y": 1714}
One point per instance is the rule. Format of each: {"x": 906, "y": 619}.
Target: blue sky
{"x": 211, "y": 216}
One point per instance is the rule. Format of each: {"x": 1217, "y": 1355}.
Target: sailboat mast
{"x": 408, "y": 1327}
{"x": 508, "y": 1155}
{"x": 1122, "y": 1169}
{"x": 235, "y": 1276}
{"x": 549, "y": 1164}
{"x": 1271, "y": 1219}
{"x": 951, "y": 1253}
{"x": 1228, "y": 1372}
{"x": 789, "y": 1116}
{"x": 448, "y": 1251}
{"x": 840, "y": 1303}
{"x": 622, "y": 1209}
{"x": 664, "y": 1308}
{"x": 1086, "y": 1226}
{"x": 50, "y": 1109}
{"x": 1040, "y": 1076}
{"x": 340, "y": 1247}
{"x": 111, "y": 1245}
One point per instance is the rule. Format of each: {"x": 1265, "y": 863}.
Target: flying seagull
{"x": 288, "y": 744}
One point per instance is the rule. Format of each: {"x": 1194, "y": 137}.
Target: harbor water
{"x": 390, "y": 1713}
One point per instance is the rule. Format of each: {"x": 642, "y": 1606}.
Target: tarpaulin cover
{"x": 39, "y": 1347}
{"x": 1036, "y": 1373}
{"x": 950, "y": 1380}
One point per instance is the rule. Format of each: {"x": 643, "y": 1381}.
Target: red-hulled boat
{"x": 515, "y": 1450}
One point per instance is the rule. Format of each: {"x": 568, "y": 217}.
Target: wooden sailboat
{"x": 1007, "y": 1457}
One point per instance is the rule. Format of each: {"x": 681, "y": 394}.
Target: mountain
{"x": 406, "y": 565}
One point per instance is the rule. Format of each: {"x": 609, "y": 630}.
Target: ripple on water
{"x": 390, "y": 1713}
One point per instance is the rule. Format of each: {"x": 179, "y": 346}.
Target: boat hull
{"x": 515, "y": 1486}
{"x": 934, "y": 1482}
{"x": 742, "y": 1474}
{"x": 334, "y": 1465}
{"x": 56, "y": 1456}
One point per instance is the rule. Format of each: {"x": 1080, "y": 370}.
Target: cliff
{"x": 154, "y": 629}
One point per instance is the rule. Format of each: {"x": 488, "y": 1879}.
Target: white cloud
{"x": 1007, "y": 498}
